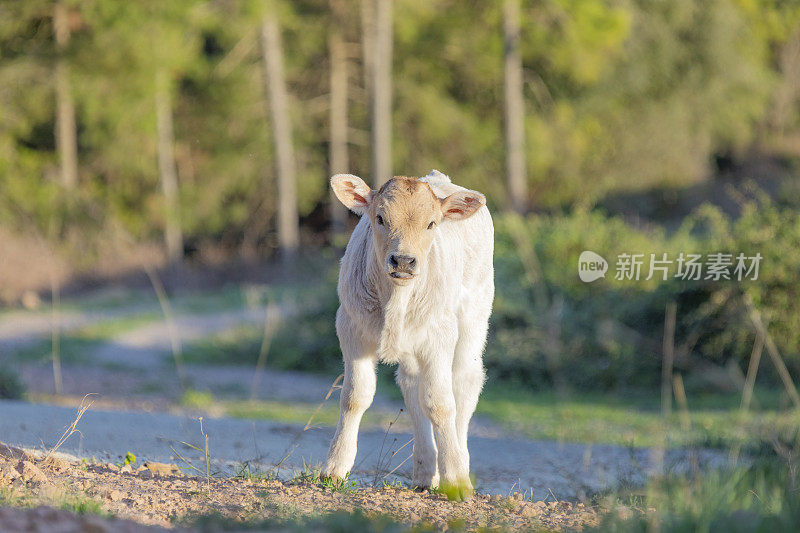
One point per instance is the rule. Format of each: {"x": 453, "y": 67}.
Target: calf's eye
{"x": 380, "y": 220}
{"x": 430, "y": 226}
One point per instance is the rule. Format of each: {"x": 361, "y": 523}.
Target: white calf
{"x": 416, "y": 288}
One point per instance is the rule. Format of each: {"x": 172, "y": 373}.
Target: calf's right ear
{"x": 352, "y": 192}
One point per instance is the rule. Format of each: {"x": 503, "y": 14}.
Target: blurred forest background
{"x": 190, "y": 135}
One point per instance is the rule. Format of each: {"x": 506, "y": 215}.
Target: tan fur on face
{"x": 404, "y": 214}
{"x": 407, "y": 206}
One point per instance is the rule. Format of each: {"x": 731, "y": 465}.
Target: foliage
{"x": 620, "y": 95}
{"x": 304, "y": 340}
{"x": 196, "y": 399}
{"x": 634, "y": 419}
{"x": 549, "y": 328}
{"x": 11, "y": 387}
{"x": 130, "y": 459}
{"x": 761, "y": 497}
{"x": 314, "y": 476}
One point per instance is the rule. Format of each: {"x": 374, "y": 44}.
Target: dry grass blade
{"x": 294, "y": 444}
{"x": 271, "y": 323}
{"x": 772, "y": 351}
{"x": 56, "y": 333}
{"x": 398, "y": 466}
{"x": 379, "y": 466}
{"x": 404, "y": 460}
{"x": 73, "y": 427}
{"x": 204, "y": 451}
{"x": 335, "y": 385}
{"x": 668, "y": 352}
{"x": 752, "y": 372}
{"x": 169, "y": 317}
{"x": 182, "y": 458}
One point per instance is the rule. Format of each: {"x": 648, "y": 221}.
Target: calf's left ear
{"x": 462, "y": 204}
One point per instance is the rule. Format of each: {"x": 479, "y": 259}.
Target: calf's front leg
{"x": 425, "y": 472}
{"x": 358, "y": 390}
{"x": 438, "y": 403}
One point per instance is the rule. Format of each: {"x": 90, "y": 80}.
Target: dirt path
{"x": 139, "y": 347}
{"x": 19, "y": 328}
{"x": 148, "y": 498}
{"x": 500, "y": 464}
{"x": 148, "y": 345}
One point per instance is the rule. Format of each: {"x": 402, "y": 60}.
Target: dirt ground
{"x": 48, "y": 495}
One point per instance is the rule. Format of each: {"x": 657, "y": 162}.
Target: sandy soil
{"x": 128, "y": 499}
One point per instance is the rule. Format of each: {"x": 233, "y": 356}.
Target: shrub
{"x": 548, "y": 327}
{"x": 11, "y": 387}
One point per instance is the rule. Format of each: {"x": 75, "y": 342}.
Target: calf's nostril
{"x": 412, "y": 261}
{"x": 393, "y": 261}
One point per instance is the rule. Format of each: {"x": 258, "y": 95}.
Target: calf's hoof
{"x": 425, "y": 483}
{"x": 331, "y": 473}
{"x": 457, "y": 492}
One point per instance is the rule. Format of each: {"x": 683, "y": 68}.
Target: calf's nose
{"x": 403, "y": 262}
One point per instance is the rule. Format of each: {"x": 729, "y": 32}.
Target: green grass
{"x": 275, "y": 410}
{"x": 72, "y": 350}
{"x": 236, "y": 346}
{"x": 76, "y": 346}
{"x": 291, "y": 412}
{"x": 245, "y": 471}
{"x": 761, "y": 497}
{"x": 313, "y": 475}
{"x": 75, "y": 502}
{"x": 636, "y": 420}
{"x": 83, "y": 505}
{"x": 229, "y": 296}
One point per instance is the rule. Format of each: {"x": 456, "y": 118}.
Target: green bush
{"x": 548, "y": 327}
{"x": 11, "y": 387}
{"x": 304, "y": 340}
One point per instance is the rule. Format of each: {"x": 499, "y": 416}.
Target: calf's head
{"x": 404, "y": 214}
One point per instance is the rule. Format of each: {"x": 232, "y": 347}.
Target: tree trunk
{"x": 66, "y": 132}
{"x": 382, "y": 99}
{"x": 288, "y": 230}
{"x": 338, "y": 116}
{"x": 368, "y": 43}
{"x": 787, "y": 91}
{"x": 173, "y": 236}
{"x": 515, "y": 109}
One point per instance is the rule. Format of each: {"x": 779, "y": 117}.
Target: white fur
{"x": 434, "y": 328}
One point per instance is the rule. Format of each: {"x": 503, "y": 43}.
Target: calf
{"x": 415, "y": 288}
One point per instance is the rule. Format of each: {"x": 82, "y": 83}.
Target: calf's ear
{"x": 352, "y": 192}
{"x": 462, "y": 204}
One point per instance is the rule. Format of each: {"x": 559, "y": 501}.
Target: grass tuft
{"x": 313, "y": 475}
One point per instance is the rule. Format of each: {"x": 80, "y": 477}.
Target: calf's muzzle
{"x": 402, "y": 266}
